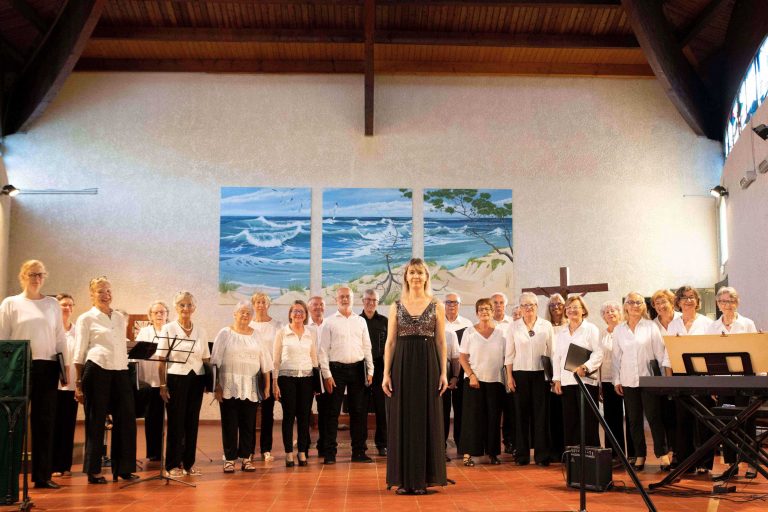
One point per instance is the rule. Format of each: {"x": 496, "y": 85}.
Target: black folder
{"x": 546, "y": 362}
{"x": 317, "y": 381}
{"x": 63, "y": 377}
{"x": 576, "y": 357}
{"x": 143, "y": 350}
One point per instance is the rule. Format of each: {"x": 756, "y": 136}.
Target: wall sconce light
{"x": 718, "y": 191}
{"x": 10, "y": 190}
{"x": 762, "y": 131}
{"x": 749, "y": 177}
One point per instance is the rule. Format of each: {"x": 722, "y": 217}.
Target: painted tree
{"x": 472, "y": 205}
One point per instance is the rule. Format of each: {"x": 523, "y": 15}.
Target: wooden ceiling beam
{"x": 369, "y": 24}
{"x": 676, "y": 75}
{"x": 11, "y": 51}
{"x": 46, "y": 73}
{"x": 30, "y": 14}
{"x": 358, "y": 67}
{"x": 611, "y": 4}
{"x": 699, "y": 23}
{"x": 494, "y": 39}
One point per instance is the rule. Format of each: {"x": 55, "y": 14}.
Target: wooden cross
{"x": 565, "y": 288}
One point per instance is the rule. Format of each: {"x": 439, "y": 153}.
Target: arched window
{"x": 752, "y": 93}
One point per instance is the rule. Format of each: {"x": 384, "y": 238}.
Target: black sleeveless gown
{"x": 416, "y": 443}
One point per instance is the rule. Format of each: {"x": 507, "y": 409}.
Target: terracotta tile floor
{"x": 362, "y": 487}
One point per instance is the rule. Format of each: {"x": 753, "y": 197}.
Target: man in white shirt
{"x": 457, "y": 324}
{"x": 316, "y": 306}
{"x": 347, "y": 364}
{"x": 503, "y": 321}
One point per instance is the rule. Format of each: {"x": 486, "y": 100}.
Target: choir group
{"x": 500, "y": 392}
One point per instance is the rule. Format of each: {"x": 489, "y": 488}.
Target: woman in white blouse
{"x": 731, "y": 322}
{"x": 663, "y": 302}
{"x": 152, "y": 405}
{"x": 530, "y": 338}
{"x": 265, "y": 328}
{"x": 482, "y": 355}
{"x": 240, "y": 361}
{"x": 295, "y": 356}
{"x": 690, "y": 322}
{"x": 183, "y": 389}
{"x": 33, "y": 316}
{"x": 636, "y": 344}
{"x": 579, "y": 331}
{"x": 66, "y": 405}
{"x": 613, "y": 403}
{"x": 103, "y": 383}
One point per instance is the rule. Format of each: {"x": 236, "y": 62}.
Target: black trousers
{"x": 109, "y": 391}
{"x": 238, "y": 422}
{"x": 43, "y": 380}
{"x": 322, "y": 401}
{"x": 64, "y": 431}
{"x": 267, "y": 424}
{"x": 531, "y": 414}
{"x": 457, "y": 399}
{"x": 186, "y": 397}
{"x": 669, "y": 418}
{"x": 508, "y": 421}
{"x": 639, "y": 403}
{"x": 379, "y": 404}
{"x": 571, "y": 421}
{"x": 729, "y": 454}
{"x": 296, "y": 400}
{"x": 153, "y": 423}
{"x": 556, "y": 435}
{"x": 482, "y": 419}
{"x": 348, "y": 377}
{"x": 613, "y": 411}
{"x": 691, "y": 433}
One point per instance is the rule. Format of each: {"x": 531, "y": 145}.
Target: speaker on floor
{"x": 598, "y": 468}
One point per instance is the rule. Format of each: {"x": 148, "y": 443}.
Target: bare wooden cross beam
{"x": 565, "y": 288}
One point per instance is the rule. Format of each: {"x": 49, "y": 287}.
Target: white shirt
{"x": 606, "y": 369}
{"x": 38, "y": 321}
{"x": 451, "y": 344}
{"x": 239, "y": 358}
{"x": 587, "y": 335}
{"x": 148, "y": 371}
{"x": 486, "y": 356}
{"x": 632, "y": 351}
{"x": 663, "y": 329}
{"x": 265, "y": 332}
{"x": 294, "y": 356}
{"x": 101, "y": 339}
{"x": 504, "y": 323}
{"x": 198, "y": 347}
{"x": 71, "y": 345}
{"x": 345, "y": 340}
{"x": 700, "y": 325}
{"x": 458, "y": 324}
{"x": 740, "y": 325}
{"x": 526, "y": 350}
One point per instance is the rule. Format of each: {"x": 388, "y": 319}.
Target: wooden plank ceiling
{"x": 536, "y": 37}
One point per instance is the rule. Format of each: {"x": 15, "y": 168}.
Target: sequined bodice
{"x": 423, "y": 325}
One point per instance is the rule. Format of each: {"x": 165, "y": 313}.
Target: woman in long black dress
{"x": 414, "y": 379}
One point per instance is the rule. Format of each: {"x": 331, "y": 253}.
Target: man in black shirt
{"x": 377, "y": 329}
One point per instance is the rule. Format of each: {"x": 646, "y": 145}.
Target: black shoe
{"x": 402, "y": 491}
{"x": 361, "y": 457}
{"x": 48, "y": 484}
{"x": 329, "y": 459}
{"x": 302, "y": 462}
{"x": 543, "y": 463}
{"x": 125, "y": 476}
{"x": 383, "y": 452}
{"x": 508, "y": 448}
{"x": 154, "y": 458}
{"x": 727, "y": 474}
{"x": 96, "y": 479}
{"x": 420, "y": 492}
{"x": 522, "y": 462}
{"x": 751, "y": 473}
{"x": 447, "y": 459}
{"x": 492, "y": 459}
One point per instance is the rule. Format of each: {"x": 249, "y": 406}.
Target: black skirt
{"x": 415, "y": 441}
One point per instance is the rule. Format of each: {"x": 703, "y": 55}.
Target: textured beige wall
{"x": 747, "y": 221}
{"x": 5, "y": 230}
{"x": 599, "y": 170}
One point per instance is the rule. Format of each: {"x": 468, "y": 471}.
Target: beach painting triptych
{"x": 367, "y": 237}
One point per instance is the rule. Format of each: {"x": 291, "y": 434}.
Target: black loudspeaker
{"x": 14, "y": 392}
{"x": 598, "y": 468}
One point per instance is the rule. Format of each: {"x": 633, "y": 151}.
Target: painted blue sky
{"x": 365, "y": 202}
{"x": 267, "y": 201}
{"x": 498, "y": 196}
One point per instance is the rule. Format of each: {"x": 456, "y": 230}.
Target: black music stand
{"x": 178, "y": 351}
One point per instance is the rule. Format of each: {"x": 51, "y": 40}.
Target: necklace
{"x": 186, "y": 331}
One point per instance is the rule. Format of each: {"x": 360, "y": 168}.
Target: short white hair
{"x": 458, "y": 297}
{"x": 371, "y": 291}
{"x": 556, "y": 296}
{"x": 502, "y": 294}
{"x": 528, "y": 295}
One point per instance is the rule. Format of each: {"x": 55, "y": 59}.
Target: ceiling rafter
{"x": 30, "y": 14}
{"x": 369, "y": 24}
{"x": 699, "y": 23}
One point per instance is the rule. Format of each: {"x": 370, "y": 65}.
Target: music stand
{"x": 178, "y": 351}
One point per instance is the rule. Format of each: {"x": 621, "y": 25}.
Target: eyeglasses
{"x": 528, "y": 306}
{"x": 39, "y": 275}
{"x": 635, "y": 302}
{"x": 727, "y": 302}
{"x": 484, "y": 308}
{"x": 451, "y": 303}
{"x": 297, "y": 312}
{"x": 370, "y": 300}
{"x": 573, "y": 308}
{"x": 555, "y": 305}
{"x": 688, "y": 299}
